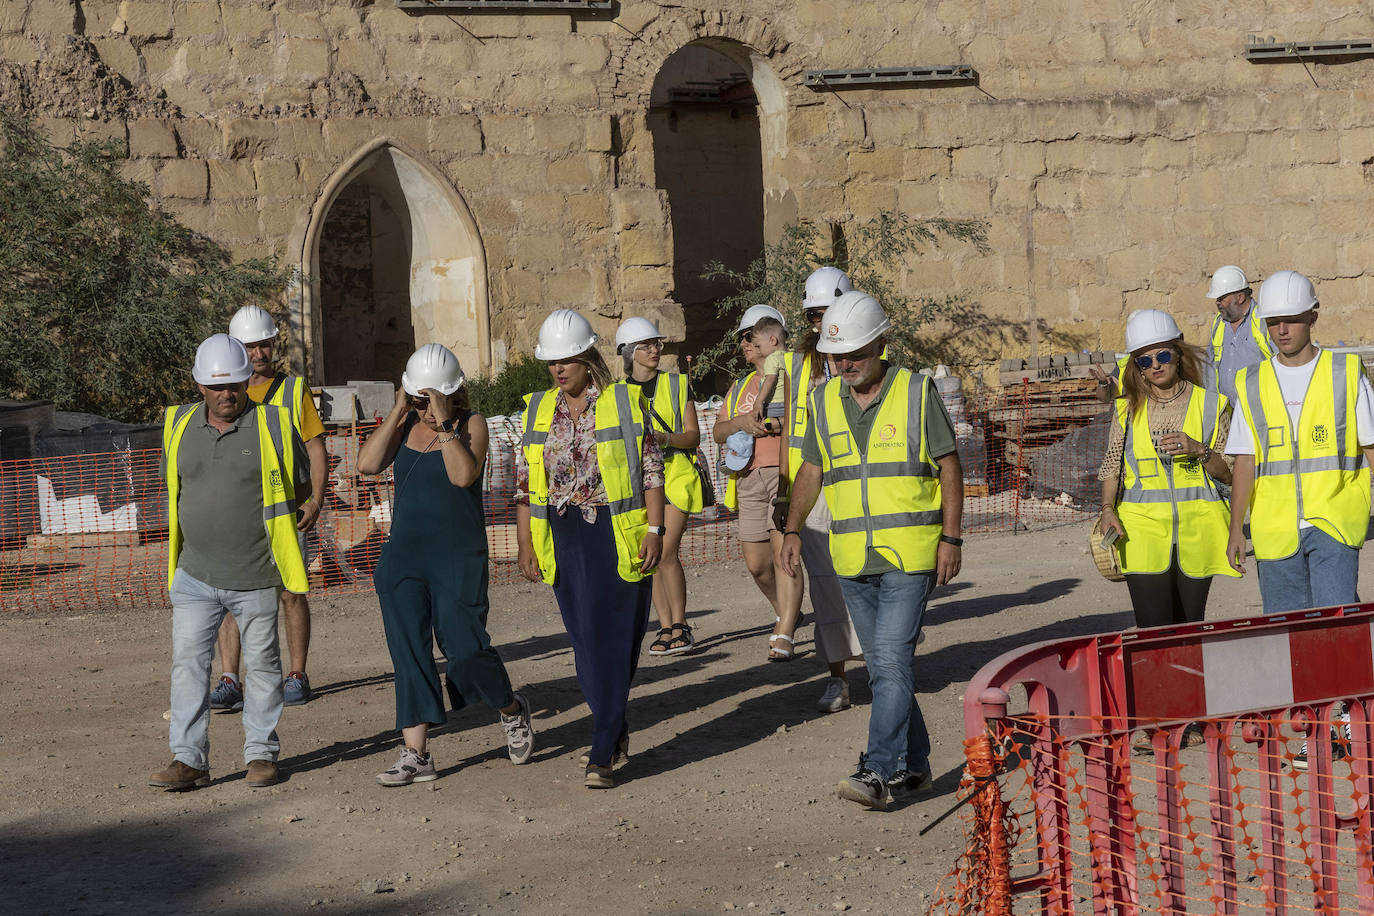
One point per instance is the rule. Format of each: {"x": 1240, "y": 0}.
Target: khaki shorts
{"x": 755, "y": 490}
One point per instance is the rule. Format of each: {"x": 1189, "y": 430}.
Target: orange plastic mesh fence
{"x": 1228, "y": 815}
{"x": 87, "y": 531}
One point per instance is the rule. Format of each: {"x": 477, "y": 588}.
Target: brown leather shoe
{"x": 178, "y": 776}
{"x": 262, "y": 773}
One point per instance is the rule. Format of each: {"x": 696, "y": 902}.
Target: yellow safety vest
{"x": 1315, "y": 472}
{"x": 620, "y": 427}
{"x": 731, "y": 400}
{"x": 278, "y": 490}
{"x": 1165, "y": 502}
{"x": 288, "y": 395}
{"x": 681, "y": 482}
{"x": 1257, "y": 329}
{"x": 888, "y": 498}
{"x": 798, "y": 368}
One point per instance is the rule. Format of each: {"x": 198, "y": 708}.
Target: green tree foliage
{"x": 503, "y": 393}
{"x": 873, "y": 253}
{"x": 103, "y": 296}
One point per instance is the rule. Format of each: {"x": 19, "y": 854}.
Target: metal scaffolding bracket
{"x": 1260, "y": 50}
{"x": 506, "y": 6}
{"x": 892, "y": 77}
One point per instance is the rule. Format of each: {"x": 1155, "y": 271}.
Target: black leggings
{"x": 1170, "y": 597}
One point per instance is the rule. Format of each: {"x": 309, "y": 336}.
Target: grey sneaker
{"x": 519, "y": 732}
{"x": 865, "y": 787}
{"x": 836, "y": 696}
{"x": 295, "y": 690}
{"x": 412, "y": 767}
{"x": 227, "y": 694}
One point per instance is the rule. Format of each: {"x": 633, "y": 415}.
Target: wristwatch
{"x": 658, "y": 530}
{"x": 447, "y": 425}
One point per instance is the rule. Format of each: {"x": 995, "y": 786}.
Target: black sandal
{"x": 682, "y": 633}
{"x": 660, "y": 645}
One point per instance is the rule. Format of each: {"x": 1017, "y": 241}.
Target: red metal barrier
{"x": 1236, "y": 825}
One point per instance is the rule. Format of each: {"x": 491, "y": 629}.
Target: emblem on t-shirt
{"x": 1320, "y": 434}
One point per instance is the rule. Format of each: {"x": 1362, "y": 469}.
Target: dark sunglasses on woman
{"x": 1164, "y": 357}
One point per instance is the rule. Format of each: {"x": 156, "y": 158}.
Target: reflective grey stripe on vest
{"x": 533, "y": 436}
{"x": 884, "y": 469}
{"x": 287, "y": 506}
{"x": 539, "y": 511}
{"x": 675, "y": 392}
{"x": 1257, "y": 418}
{"x": 1128, "y": 450}
{"x": 890, "y": 520}
{"x": 1210, "y": 406}
{"x": 629, "y": 431}
{"x": 1182, "y": 494}
{"x": 287, "y": 398}
{"x": 1338, "y": 365}
{"x": 799, "y": 380}
{"x": 1310, "y": 465}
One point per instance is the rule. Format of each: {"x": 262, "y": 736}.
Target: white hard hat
{"x": 854, "y": 320}
{"x": 756, "y": 313}
{"x": 1147, "y": 327}
{"x": 633, "y": 331}
{"x": 1284, "y": 294}
{"x": 251, "y": 324}
{"x": 1228, "y": 279}
{"x": 824, "y": 286}
{"x": 432, "y": 366}
{"x": 221, "y": 360}
{"x": 563, "y": 334}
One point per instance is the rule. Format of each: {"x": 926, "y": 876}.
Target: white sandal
{"x": 782, "y": 655}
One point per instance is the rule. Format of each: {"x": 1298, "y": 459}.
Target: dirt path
{"x": 727, "y": 803}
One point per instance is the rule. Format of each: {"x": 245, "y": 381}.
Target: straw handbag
{"x": 1106, "y": 558}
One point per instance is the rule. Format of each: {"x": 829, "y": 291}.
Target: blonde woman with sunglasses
{"x": 1164, "y": 460}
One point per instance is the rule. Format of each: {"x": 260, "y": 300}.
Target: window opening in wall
{"x": 703, "y": 116}
{"x": 398, "y": 266}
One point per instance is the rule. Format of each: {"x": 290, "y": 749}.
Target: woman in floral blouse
{"x": 589, "y": 517}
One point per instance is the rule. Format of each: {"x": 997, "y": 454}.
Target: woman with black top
{"x": 432, "y": 578}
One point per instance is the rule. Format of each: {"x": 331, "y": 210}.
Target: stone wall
{"x": 1119, "y": 149}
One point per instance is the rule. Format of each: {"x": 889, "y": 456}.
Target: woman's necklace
{"x": 1171, "y": 398}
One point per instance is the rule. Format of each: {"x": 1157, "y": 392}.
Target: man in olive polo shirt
{"x": 236, "y": 472}
{"x": 881, "y": 451}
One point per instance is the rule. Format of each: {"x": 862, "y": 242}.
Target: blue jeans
{"x": 197, "y": 610}
{"x": 887, "y": 611}
{"x": 1321, "y": 573}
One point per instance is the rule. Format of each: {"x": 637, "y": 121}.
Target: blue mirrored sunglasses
{"x": 1163, "y": 357}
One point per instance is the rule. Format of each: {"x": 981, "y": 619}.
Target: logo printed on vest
{"x": 274, "y": 479}
{"x": 885, "y": 436}
{"x": 1320, "y": 434}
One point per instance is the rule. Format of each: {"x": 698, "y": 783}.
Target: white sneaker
{"x": 836, "y": 696}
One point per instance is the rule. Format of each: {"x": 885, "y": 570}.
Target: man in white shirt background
{"x": 1303, "y": 437}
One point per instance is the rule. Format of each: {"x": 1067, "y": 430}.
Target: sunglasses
{"x": 1163, "y": 357}
{"x": 417, "y": 403}
{"x": 747, "y": 337}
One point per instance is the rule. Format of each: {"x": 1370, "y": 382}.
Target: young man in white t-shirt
{"x": 1306, "y": 482}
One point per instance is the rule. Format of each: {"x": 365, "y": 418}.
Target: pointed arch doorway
{"x": 393, "y": 260}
